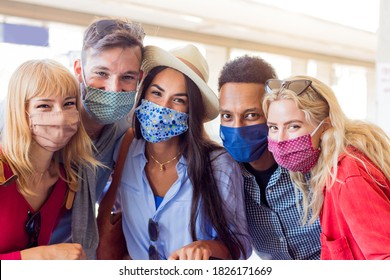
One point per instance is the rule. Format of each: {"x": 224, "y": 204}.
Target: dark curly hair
{"x": 246, "y": 69}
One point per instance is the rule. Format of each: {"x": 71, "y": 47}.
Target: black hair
{"x": 197, "y": 146}
{"x": 246, "y": 69}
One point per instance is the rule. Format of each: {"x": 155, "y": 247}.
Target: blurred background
{"x": 344, "y": 43}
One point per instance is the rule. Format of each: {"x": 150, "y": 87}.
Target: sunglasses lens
{"x": 153, "y": 230}
{"x": 33, "y": 228}
{"x": 153, "y": 254}
{"x": 297, "y": 86}
{"x": 272, "y": 84}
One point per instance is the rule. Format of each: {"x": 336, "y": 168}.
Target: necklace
{"x": 162, "y": 168}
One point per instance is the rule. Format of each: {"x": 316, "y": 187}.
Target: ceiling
{"x": 298, "y": 27}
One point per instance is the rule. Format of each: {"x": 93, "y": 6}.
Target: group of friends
{"x": 294, "y": 179}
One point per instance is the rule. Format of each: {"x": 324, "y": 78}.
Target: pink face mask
{"x": 53, "y": 130}
{"x": 297, "y": 155}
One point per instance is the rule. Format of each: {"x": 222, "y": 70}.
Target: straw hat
{"x": 189, "y": 61}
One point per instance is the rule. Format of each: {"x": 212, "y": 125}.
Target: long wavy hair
{"x": 197, "y": 146}
{"x": 342, "y": 133}
{"x": 36, "y": 78}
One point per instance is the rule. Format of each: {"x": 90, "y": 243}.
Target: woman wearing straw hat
{"x": 181, "y": 193}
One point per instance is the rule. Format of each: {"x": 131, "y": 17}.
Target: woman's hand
{"x": 62, "y": 251}
{"x": 198, "y": 250}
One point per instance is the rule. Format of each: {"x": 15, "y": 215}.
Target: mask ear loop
{"x": 318, "y": 126}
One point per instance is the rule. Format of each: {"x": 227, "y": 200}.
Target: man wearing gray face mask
{"x": 108, "y": 72}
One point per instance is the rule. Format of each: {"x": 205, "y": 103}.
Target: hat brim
{"x": 155, "y": 56}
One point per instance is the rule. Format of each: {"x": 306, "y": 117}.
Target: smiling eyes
{"x": 125, "y": 77}
{"x": 49, "y": 105}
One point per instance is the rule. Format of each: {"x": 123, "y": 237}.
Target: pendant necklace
{"x": 161, "y": 164}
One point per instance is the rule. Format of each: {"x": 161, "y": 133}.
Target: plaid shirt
{"x": 276, "y": 230}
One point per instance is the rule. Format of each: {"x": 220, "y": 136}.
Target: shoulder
{"x": 225, "y": 169}
{"x": 220, "y": 158}
{"x": 354, "y": 165}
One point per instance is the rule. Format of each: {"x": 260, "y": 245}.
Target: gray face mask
{"x": 107, "y": 107}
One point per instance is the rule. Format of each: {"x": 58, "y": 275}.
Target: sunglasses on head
{"x": 297, "y": 86}
{"x": 33, "y": 228}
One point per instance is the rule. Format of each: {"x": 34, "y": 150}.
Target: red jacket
{"x": 13, "y": 216}
{"x": 355, "y": 217}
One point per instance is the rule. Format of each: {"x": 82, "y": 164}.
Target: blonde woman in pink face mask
{"x": 42, "y": 125}
{"x": 349, "y": 164}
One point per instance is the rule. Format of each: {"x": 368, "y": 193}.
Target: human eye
{"x": 226, "y": 116}
{"x": 43, "y": 106}
{"x": 156, "y": 93}
{"x": 128, "y": 77}
{"x": 272, "y": 128}
{"x": 294, "y": 127}
{"x": 70, "y": 104}
{"x": 101, "y": 74}
{"x": 179, "y": 100}
{"x": 252, "y": 116}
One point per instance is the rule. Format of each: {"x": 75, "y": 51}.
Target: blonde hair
{"x": 36, "y": 78}
{"x": 343, "y": 132}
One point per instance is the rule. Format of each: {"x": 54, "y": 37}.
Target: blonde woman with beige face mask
{"x": 42, "y": 125}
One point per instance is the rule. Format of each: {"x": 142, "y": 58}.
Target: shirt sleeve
{"x": 11, "y": 256}
{"x": 231, "y": 184}
{"x": 366, "y": 209}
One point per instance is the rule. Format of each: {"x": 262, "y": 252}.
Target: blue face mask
{"x": 159, "y": 123}
{"x": 247, "y": 143}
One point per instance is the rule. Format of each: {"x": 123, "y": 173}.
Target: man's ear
{"x": 140, "y": 76}
{"x": 78, "y": 70}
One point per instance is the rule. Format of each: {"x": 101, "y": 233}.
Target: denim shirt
{"x": 276, "y": 230}
{"x": 173, "y": 214}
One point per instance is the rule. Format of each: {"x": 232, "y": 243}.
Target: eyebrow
{"x": 286, "y": 123}
{"x": 51, "y": 100}
{"x": 253, "y": 109}
{"x": 104, "y": 68}
{"x": 160, "y": 88}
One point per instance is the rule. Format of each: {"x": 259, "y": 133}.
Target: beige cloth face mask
{"x": 53, "y": 130}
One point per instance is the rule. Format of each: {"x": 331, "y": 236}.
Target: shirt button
{"x": 281, "y": 239}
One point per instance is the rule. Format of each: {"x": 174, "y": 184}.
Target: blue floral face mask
{"x": 159, "y": 123}
{"x": 107, "y": 107}
{"x": 246, "y": 143}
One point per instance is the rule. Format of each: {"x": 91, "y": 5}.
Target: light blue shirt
{"x": 173, "y": 214}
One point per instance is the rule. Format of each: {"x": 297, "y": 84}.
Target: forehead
{"x": 166, "y": 76}
{"x": 283, "y": 111}
{"x": 240, "y": 96}
{"x": 125, "y": 57}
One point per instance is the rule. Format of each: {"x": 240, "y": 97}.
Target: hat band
{"x": 192, "y": 67}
